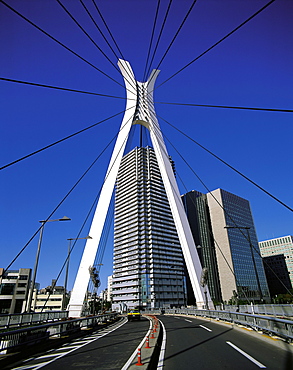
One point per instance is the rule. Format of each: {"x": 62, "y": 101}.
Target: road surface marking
{"x": 131, "y": 358}
{"x": 63, "y": 351}
{"x": 49, "y": 355}
{"x": 188, "y": 320}
{"x": 163, "y": 348}
{"x": 204, "y": 327}
{"x": 24, "y": 367}
{"x": 259, "y": 364}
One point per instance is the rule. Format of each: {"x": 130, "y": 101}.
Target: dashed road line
{"x": 259, "y": 364}
{"x": 204, "y": 327}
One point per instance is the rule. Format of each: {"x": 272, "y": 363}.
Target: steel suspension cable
{"x": 98, "y": 28}
{"x": 230, "y": 107}
{"x": 229, "y": 217}
{"x": 162, "y": 141}
{"x": 158, "y": 102}
{"x": 87, "y": 34}
{"x": 176, "y": 34}
{"x": 159, "y": 37}
{"x": 209, "y": 231}
{"x": 129, "y": 79}
{"x": 218, "y": 42}
{"x": 151, "y": 40}
{"x": 59, "y": 141}
{"x": 108, "y": 29}
{"x": 59, "y": 204}
{"x": 60, "y": 88}
{"x": 69, "y": 192}
{"x": 231, "y": 167}
{"x": 59, "y": 42}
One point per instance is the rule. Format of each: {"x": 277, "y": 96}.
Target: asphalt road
{"x": 200, "y": 344}
{"x": 106, "y": 349}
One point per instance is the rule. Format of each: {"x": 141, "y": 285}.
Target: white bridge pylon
{"x": 139, "y": 110}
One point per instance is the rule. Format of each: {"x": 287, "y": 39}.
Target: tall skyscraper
{"x": 240, "y": 265}
{"x": 282, "y": 245}
{"x": 223, "y": 230}
{"x": 196, "y": 207}
{"x": 148, "y": 260}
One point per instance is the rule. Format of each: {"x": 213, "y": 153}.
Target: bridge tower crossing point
{"x": 139, "y": 110}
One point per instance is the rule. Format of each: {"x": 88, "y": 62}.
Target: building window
{"x": 23, "y": 277}
{"x": 7, "y": 288}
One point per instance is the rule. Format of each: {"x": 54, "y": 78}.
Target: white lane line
{"x": 35, "y": 366}
{"x": 163, "y": 348}
{"x": 24, "y": 367}
{"x": 46, "y": 356}
{"x": 29, "y": 359}
{"x": 75, "y": 348}
{"x": 65, "y": 348}
{"x": 259, "y": 364}
{"x": 188, "y": 320}
{"x": 204, "y": 327}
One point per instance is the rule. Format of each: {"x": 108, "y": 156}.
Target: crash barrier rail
{"x": 261, "y": 309}
{"x": 13, "y": 340}
{"x": 31, "y": 318}
{"x": 271, "y": 325}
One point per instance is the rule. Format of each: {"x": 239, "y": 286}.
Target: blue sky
{"x": 252, "y": 68}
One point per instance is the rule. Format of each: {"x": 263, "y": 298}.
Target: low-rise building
{"x": 14, "y": 288}
{"x": 50, "y": 298}
{"x": 282, "y": 245}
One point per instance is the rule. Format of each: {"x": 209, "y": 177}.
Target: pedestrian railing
{"x": 283, "y": 310}
{"x": 32, "y": 318}
{"x": 13, "y": 340}
{"x": 267, "y": 324}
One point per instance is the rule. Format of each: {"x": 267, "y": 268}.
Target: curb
{"x": 149, "y": 356}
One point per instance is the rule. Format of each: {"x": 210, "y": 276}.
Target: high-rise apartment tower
{"x": 148, "y": 260}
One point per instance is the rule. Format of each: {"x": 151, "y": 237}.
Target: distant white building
{"x": 47, "y": 302}
{"x": 104, "y": 295}
{"x": 282, "y": 245}
{"x": 109, "y": 297}
{"x": 50, "y": 298}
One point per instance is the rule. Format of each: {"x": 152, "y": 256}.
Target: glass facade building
{"x": 148, "y": 266}
{"x": 240, "y": 265}
{"x": 196, "y": 207}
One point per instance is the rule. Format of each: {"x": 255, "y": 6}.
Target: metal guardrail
{"x": 271, "y": 325}
{"x": 13, "y": 340}
{"x": 33, "y": 318}
{"x": 261, "y": 309}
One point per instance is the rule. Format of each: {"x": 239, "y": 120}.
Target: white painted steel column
{"x": 82, "y": 279}
{"x": 139, "y": 110}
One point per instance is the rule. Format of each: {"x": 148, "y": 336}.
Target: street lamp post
{"x": 67, "y": 266}
{"x": 247, "y": 228}
{"x": 31, "y": 291}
